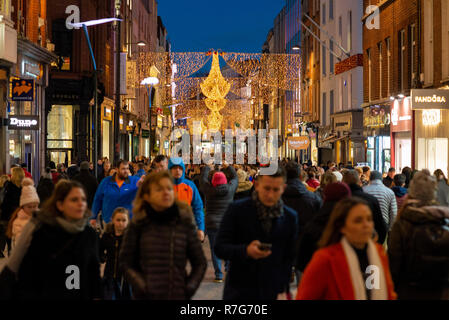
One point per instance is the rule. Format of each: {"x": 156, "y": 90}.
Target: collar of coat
{"x": 185, "y": 213}
{"x": 113, "y": 178}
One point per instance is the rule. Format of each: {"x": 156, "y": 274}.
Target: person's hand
{"x": 93, "y": 223}
{"x": 253, "y": 251}
{"x": 201, "y": 236}
{"x": 139, "y": 183}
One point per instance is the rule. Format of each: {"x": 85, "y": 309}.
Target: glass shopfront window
{"x": 60, "y": 127}
{"x": 379, "y": 153}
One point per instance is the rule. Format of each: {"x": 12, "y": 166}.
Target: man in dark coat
{"x": 88, "y": 181}
{"x": 257, "y": 235}
{"x": 218, "y": 195}
{"x": 297, "y": 197}
{"x": 351, "y": 178}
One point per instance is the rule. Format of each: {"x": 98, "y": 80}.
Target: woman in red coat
{"x": 335, "y": 271}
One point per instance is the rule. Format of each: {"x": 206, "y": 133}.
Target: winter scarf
{"x": 358, "y": 285}
{"x": 72, "y": 227}
{"x": 267, "y": 214}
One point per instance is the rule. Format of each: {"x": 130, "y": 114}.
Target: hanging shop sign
{"x": 22, "y": 90}
{"x": 376, "y": 117}
{"x": 23, "y": 123}
{"x": 145, "y": 134}
{"x": 429, "y": 99}
{"x": 298, "y": 143}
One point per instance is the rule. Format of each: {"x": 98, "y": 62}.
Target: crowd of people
{"x": 335, "y": 232}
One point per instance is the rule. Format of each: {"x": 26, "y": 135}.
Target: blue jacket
{"x": 187, "y": 192}
{"x": 247, "y": 278}
{"x": 109, "y": 197}
{"x": 140, "y": 173}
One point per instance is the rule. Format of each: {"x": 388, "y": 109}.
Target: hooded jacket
{"x": 187, "y": 192}
{"x": 217, "y": 198}
{"x": 401, "y": 194}
{"x": 418, "y": 251}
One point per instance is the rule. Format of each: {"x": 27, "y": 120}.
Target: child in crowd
{"x": 114, "y": 285}
{"x": 29, "y": 202}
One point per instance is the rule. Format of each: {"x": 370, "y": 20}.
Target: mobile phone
{"x": 265, "y": 246}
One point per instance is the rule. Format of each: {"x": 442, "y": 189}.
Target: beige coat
{"x": 18, "y": 224}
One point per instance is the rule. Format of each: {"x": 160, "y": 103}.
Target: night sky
{"x": 230, "y": 26}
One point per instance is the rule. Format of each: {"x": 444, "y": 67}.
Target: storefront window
{"x": 433, "y": 154}
{"x": 60, "y": 127}
{"x": 106, "y": 141}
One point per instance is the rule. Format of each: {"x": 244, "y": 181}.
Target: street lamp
{"x": 149, "y": 83}
{"x": 296, "y": 47}
{"x": 84, "y": 25}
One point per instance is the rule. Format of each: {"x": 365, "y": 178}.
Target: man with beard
{"x": 118, "y": 190}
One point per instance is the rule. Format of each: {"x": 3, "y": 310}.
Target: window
{"x": 323, "y": 13}
{"x": 324, "y": 109}
{"x": 331, "y": 56}
{"x": 324, "y": 60}
{"x": 445, "y": 38}
{"x": 369, "y": 74}
{"x": 340, "y": 27}
{"x": 331, "y": 102}
{"x": 428, "y": 42}
{"x": 388, "y": 65}
{"x": 412, "y": 55}
{"x": 379, "y": 47}
{"x": 401, "y": 59}
{"x": 331, "y": 9}
{"x": 349, "y": 30}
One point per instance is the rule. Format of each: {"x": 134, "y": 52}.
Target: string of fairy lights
{"x": 244, "y": 82}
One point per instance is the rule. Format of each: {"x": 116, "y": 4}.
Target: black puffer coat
{"x": 11, "y": 200}
{"x": 418, "y": 249}
{"x": 90, "y": 185}
{"x": 110, "y": 245}
{"x": 155, "y": 251}
{"x": 217, "y": 198}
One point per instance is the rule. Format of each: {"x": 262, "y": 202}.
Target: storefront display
{"x": 431, "y": 129}
{"x": 401, "y": 133}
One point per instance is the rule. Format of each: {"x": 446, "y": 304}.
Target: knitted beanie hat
{"x": 423, "y": 186}
{"x": 336, "y": 191}
{"x": 219, "y": 178}
{"x": 28, "y": 194}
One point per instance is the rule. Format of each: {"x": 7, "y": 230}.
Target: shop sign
{"x": 145, "y": 134}
{"x": 431, "y": 117}
{"x": 166, "y": 144}
{"x": 401, "y": 116}
{"x": 23, "y": 123}
{"x": 298, "y": 143}
{"x": 159, "y": 121}
{"x": 107, "y": 113}
{"x": 22, "y": 90}
{"x": 31, "y": 69}
{"x": 376, "y": 117}
{"x": 429, "y": 99}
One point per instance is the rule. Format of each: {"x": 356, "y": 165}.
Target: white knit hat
{"x": 29, "y": 194}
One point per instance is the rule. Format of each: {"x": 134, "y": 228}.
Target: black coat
{"x": 418, "y": 250}
{"x": 308, "y": 243}
{"x": 11, "y": 200}
{"x": 304, "y": 202}
{"x": 110, "y": 245}
{"x": 379, "y": 222}
{"x": 217, "y": 198}
{"x": 250, "y": 279}
{"x": 73, "y": 171}
{"x": 43, "y": 273}
{"x": 90, "y": 185}
{"x": 243, "y": 194}
{"x": 45, "y": 189}
{"x": 155, "y": 251}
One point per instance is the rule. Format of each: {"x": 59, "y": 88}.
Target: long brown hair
{"x": 438, "y": 173}
{"x": 8, "y": 232}
{"x": 145, "y": 188}
{"x": 62, "y": 190}
{"x": 337, "y": 221}
{"x": 17, "y": 176}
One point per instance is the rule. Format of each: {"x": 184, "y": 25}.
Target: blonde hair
{"x": 17, "y": 176}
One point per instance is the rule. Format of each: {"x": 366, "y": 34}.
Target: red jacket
{"x": 327, "y": 276}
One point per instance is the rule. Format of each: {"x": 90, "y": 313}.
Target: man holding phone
{"x": 257, "y": 235}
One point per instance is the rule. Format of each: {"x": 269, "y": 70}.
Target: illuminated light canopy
{"x": 150, "y": 81}
{"x": 431, "y": 117}
{"x": 93, "y": 22}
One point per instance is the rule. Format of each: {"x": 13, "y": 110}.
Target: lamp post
{"x": 149, "y": 83}
{"x": 84, "y": 25}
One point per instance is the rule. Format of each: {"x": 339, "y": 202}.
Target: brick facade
{"x": 395, "y": 16}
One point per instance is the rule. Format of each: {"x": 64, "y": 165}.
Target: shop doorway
{"x": 60, "y": 156}
{"x": 403, "y": 151}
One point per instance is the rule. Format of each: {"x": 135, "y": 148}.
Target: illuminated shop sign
{"x": 429, "y": 99}
{"x": 23, "y": 123}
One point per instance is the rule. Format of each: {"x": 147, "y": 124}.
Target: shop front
{"x": 401, "y": 134}
{"x": 28, "y": 82}
{"x": 106, "y": 128}
{"x": 431, "y": 129}
{"x": 325, "y": 135}
{"x": 348, "y": 137}
{"x": 376, "y": 127}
